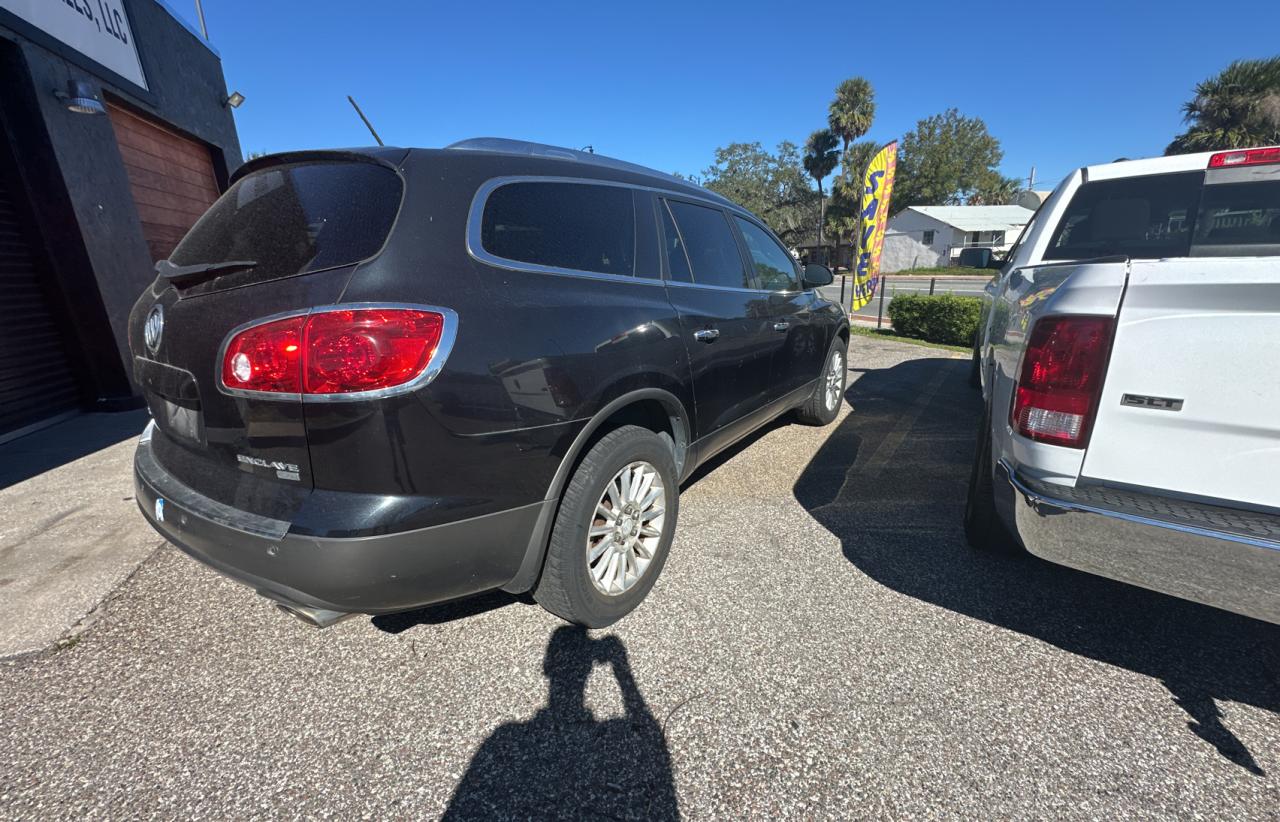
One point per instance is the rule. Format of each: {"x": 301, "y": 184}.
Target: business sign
{"x": 98, "y": 29}
{"x": 877, "y": 188}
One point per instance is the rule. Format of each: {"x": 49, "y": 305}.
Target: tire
{"x": 570, "y": 585}
{"x": 819, "y": 409}
{"x": 983, "y": 528}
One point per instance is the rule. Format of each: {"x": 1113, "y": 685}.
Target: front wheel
{"x": 614, "y": 529}
{"x": 824, "y": 403}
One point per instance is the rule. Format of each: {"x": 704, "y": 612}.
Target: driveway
{"x": 821, "y": 643}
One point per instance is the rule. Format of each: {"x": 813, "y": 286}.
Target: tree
{"x": 997, "y": 189}
{"x": 774, "y": 187}
{"x": 852, "y": 111}
{"x": 846, "y": 190}
{"x": 1238, "y": 108}
{"x": 946, "y": 159}
{"x": 820, "y": 158}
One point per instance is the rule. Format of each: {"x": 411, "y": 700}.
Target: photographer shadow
{"x": 565, "y": 763}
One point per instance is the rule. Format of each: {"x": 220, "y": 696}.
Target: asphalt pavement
{"x": 822, "y": 643}
{"x": 959, "y": 286}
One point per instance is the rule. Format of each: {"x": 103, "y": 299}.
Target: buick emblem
{"x": 153, "y": 328}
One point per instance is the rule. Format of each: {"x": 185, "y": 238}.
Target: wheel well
{"x": 649, "y": 413}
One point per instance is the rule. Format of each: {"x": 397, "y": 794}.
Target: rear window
{"x": 297, "y": 218}
{"x": 1237, "y": 218}
{"x": 575, "y": 226}
{"x": 1169, "y": 215}
{"x": 1140, "y": 217}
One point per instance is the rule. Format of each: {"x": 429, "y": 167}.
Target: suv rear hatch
{"x": 1191, "y": 404}
{"x": 285, "y": 237}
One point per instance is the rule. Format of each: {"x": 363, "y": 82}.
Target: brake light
{"x": 1062, "y": 370}
{"x": 1245, "y": 157}
{"x": 336, "y": 352}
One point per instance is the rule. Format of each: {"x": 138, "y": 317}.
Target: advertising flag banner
{"x": 877, "y": 188}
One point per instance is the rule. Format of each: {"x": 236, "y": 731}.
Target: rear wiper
{"x": 192, "y": 274}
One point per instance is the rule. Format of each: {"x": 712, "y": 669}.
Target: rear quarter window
{"x": 571, "y": 226}
{"x": 297, "y": 218}
{"x": 1238, "y": 219}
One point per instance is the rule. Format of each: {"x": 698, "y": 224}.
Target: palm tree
{"x": 819, "y": 161}
{"x": 853, "y": 110}
{"x": 1236, "y": 109}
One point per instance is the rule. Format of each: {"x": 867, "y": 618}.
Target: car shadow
{"x": 33, "y": 454}
{"x": 448, "y": 611}
{"x": 890, "y": 483}
{"x": 563, "y": 763}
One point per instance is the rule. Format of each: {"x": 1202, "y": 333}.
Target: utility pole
{"x": 1031, "y": 180}
{"x": 200, "y": 16}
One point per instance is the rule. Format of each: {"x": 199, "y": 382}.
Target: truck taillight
{"x": 1062, "y": 370}
{"x": 1245, "y": 157}
{"x": 334, "y": 353}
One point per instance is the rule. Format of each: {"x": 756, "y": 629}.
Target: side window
{"x": 576, "y": 226}
{"x": 775, "y": 269}
{"x": 673, "y": 247}
{"x": 709, "y": 243}
{"x": 927, "y": 237}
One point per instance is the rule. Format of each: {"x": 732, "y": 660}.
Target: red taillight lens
{"x": 1062, "y": 370}
{"x": 334, "y": 352}
{"x": 368, "y": 349}
{"x": 267, "y": 357}
{"x": 1245, "y": 157}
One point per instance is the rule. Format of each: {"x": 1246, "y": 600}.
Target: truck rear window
{"x": 1169, "y": 215}
{"x": 297, "y": 218}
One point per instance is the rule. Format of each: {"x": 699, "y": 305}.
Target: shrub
{"x": 941, "y": 318}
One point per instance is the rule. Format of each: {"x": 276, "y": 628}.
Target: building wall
{"x": 904, "y": 245}
{"x": 76, "y": 178}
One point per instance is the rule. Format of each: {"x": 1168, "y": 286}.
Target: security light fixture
{"x": 234, "y": 99}
{"x": 79, "y": 97}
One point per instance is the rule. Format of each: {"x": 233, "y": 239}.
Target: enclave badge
{"x": 153, "y": 328}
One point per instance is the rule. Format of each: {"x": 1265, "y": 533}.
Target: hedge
{"x": 940, "y": 318}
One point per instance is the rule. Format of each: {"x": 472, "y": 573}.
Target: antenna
{"x": 367, "y": 124}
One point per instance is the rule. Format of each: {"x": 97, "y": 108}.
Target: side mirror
{"x": 816, "y": 275}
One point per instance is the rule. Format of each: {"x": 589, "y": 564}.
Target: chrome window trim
{"x": 448, "y": 336}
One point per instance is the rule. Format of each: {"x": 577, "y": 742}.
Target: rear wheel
{"x": 983, "y": 527}
{"x": 614, "y": 528}
{"x": 823, "y": 405}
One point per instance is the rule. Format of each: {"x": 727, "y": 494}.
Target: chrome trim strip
{"x": 448, "y": 336}
{"x": 1034, "y": 498}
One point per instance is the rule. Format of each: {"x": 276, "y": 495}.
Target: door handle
{"x": 707, "y": 335}
{"x": 783, "y": 326}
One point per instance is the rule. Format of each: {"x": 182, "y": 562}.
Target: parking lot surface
{"x": 822, "y": 643}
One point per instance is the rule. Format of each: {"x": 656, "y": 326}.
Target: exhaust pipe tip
{"x": 315, "y": 617}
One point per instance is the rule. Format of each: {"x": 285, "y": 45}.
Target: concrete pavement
{"x": 822, "y": 644}
{"x": 68, "y": 526}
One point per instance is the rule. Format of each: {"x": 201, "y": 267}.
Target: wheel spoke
{"x": 610, "y": 514}
{"x": 646, "y": 482}
{"x": 652, "y": 512}
{"x": 649, "y": 531}
{"x": 599, "y": 548}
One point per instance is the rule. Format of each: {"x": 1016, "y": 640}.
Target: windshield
{"x": 297, "y": 218}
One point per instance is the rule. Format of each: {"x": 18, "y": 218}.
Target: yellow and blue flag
{"x": 877, "y": 188}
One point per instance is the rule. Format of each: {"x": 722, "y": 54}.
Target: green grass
{"x": 948, "y": 271}
{"x": 887, "y": 334}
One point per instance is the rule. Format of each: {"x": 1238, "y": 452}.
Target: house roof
{"x": 978, "y": 218}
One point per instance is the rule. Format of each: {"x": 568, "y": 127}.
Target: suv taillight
{"x": 1057, "y": 392}
{"x": 336, "y": 352}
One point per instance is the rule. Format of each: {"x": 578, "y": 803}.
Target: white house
{"x": 929, "y": 236}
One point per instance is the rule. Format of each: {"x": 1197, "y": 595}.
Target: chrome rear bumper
{"x": 1223, "y": 557}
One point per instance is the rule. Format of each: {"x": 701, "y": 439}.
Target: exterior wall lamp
{"x": 79, "y": 97}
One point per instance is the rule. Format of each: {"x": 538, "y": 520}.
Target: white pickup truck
{"x": 1129, "y": 359}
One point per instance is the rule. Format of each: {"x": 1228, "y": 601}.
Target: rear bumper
{"x": 374, "y": 574}
{"x": 1223, "y": 557}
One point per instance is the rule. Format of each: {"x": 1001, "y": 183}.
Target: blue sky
{"x": 663, "y": 84}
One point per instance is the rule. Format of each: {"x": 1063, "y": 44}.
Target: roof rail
{"x": 502, "y": 145}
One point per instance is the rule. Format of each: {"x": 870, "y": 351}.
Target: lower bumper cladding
{"x": 321, "y": 580}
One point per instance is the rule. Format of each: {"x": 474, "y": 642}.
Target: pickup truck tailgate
{"x": 1191, "y": 402}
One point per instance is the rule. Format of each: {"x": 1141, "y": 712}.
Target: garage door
{"x": 171, "y": 177}
{"x": 36, "y": 380}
